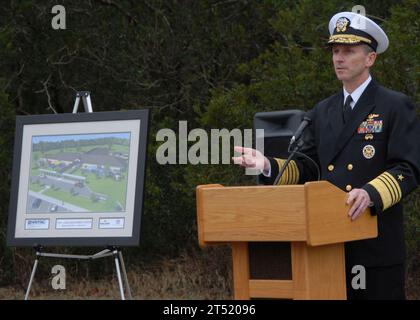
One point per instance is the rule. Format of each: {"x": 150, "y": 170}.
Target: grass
{"x": 193, "y": 275}
{"x": 34, "y": 172}
{"x": 35, "y": 187}
{"x": 79, "y": 201}
{"x": 196, "y": 274}
{"x": 115, "y": 190}
{"x": 413, "y": 278}
{"x": 120, "y": 148}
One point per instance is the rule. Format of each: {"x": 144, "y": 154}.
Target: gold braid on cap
{"x": 348, "y": 38}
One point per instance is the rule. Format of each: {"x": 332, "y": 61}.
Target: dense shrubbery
{"x": 213, "y": 63}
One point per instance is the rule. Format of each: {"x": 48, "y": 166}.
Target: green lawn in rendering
{"x": 36, "y": 187}
{"x": 34, "y": 172}
{"x": 79, "y": 201}
{"x": 115, "y": 190}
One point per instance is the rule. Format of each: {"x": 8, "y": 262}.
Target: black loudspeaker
{"x": 272, "y": 260}
{"x": 279, "y": 127}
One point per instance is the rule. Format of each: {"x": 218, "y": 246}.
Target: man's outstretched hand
{"x": 251, "y": 158}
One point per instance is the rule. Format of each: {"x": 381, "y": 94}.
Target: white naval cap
{"x": 353, "y": 28}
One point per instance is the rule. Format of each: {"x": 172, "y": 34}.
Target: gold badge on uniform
{"x": 341, "y": 25}
{"x": 368, "y": 151}
{"x": 369, "y": 136}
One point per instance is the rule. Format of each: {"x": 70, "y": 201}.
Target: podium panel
{"x": 270, "y": 260}
{"x": 287, "y": 241}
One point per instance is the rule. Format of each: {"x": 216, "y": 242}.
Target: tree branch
{"x": 45, "y": 85}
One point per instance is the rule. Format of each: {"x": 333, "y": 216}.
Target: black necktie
{"x": 347, "y": 109}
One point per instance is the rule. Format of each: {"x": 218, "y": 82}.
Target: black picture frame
{"x": 133, "y": 124}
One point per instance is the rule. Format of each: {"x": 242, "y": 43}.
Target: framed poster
{"x": 78, "y": 179}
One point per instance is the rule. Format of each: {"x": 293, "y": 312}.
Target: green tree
{"x": 7, "y": 116}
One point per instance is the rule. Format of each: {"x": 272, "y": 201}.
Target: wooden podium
{"x": 312, "y": 219}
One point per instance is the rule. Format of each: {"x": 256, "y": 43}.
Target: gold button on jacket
{"x": 348, "y": 187}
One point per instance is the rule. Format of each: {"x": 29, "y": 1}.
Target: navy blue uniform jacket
{"x": 378, "y": 150}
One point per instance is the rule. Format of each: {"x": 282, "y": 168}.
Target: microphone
{"x": 305, "y": 122}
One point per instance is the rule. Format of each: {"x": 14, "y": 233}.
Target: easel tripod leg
{"x": 117, "y": 267}
{"x": 31, "y": 279}
{"x": 130, "y": 297}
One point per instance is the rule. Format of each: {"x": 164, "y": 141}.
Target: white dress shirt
{"x": 355, "y": 95}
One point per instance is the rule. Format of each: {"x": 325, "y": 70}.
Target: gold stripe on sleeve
{"x": 396, "y": 185}
{"x": 388, "y": 188}
{"x": 296, "y": 171}
{"x": 291, "y": 174}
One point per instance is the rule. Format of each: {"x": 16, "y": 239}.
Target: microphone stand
{"x": 297, "y": 146}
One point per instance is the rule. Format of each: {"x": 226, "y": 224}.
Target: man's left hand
{"x": 360, "y": 199}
